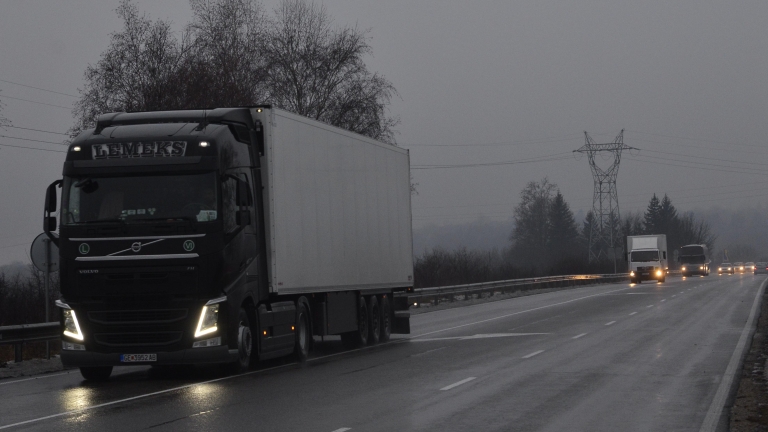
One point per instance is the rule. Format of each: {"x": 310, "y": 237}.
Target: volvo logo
{"x": 136, "y": 246}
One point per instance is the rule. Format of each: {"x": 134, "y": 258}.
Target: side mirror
{"x": 49, "y": 222}
{"x": 243, "y": 193}
{"x": 50, "y": 198}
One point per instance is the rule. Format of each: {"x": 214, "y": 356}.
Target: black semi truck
{"x": 227, "y": 236}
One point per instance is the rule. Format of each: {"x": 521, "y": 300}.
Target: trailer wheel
{"x": 386, "y": 319}
{"x": 303, "y": 336}
{"x": 244, "y": 344}
{"x": 374, "y": 317}
{"x": 96, "y": 373}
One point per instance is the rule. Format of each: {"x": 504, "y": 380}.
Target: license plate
{"x": 132, "y": 358}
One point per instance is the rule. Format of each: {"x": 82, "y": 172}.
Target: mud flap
{"x": 401, "y": 324}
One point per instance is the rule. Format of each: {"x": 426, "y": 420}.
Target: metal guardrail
{"x": 448, "y": 293}
{"x": 18, "y": 335}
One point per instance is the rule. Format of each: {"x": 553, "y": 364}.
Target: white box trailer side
{"x": 338, "y": 208}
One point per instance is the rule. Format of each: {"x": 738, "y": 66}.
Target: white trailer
{"x": 647, "y": 257}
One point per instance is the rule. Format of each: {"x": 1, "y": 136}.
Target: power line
{"x": 501, "y": 143}
{"x": 547, "y": 158}
{"x": 41, "y": 103}
{"x": 33, "y": 148}
{"x": 33, "y": 140}
{"x": 38, "y": 88}
{"x": 37, "y": 130}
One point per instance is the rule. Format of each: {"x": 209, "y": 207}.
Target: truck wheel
{"x": 374, "y": 317}
{"x": 244, "y": 344}
{"x": 386, "y": 319}
{"x": 303, "y": 336}
{"x": 96, "y": 373}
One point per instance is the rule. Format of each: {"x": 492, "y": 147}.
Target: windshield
{"x": 183, "y": 197}
{"x": 640, "y": 256}
{"x": 693, "y": 259}
{"x": 692, "y": 250}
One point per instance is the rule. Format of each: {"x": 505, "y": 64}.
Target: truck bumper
{"x": 219, "y": 354}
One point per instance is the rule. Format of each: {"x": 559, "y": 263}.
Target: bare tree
{"x": 5, "y": 122}
{"x": 233, "y": 54}
{"x": 317, "y": 70}
{"x": 142, "y": 69}
{"x": 228, "y": 67}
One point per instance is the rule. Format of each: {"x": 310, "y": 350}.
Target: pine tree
{"x": 563, "y": 233}
{"x": 651, "y": 218}
{"x": 668, "y": 218}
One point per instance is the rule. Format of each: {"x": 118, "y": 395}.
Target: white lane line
{"x": 535, "y": 353}
{"x": 663, "y": 300}
{"x": 517, "y": 313}
{"x": 632, "y": 313}
{"x": 342, "y": 429}
{"x": 66, "y": 413}
{"x": 649, "y": 306}
{"x": 718, "y": 403}
{"x": 579, "y": 335}
{"x": 682, "y": 292}
{"x": 35, "y": 378}
{"x": 674, "y": 295}
{"x": 92, "y": 407}
{"x": 610, "y": 323}
{"x": 456, "y": 384}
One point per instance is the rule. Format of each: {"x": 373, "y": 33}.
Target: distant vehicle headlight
{"x": 658, "y": 272}
{"x": 701, "y": 267}
{"x": 631, "y": 273}
{"x": 683, "y": 268}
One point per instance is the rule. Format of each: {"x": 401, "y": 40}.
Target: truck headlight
{"x": 209, "y": 318}
{"x": 631, "y": 273}
{"x": 683, "y": 269}
{"x": 658, "y": 272}
{"x": 701, "y": 267}
{"x": 71, "y": 326}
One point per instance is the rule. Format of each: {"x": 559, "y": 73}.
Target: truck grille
{"x": 156, "y": 316}
{"x": 135, "y": 339}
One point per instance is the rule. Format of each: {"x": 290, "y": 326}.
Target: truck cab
{"x": 647, "y": 258}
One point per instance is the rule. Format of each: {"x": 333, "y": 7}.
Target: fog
{"x": 478, "y": 82}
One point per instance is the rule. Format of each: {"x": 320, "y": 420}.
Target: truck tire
{"x": 358, "y": 338}
{"x": 386, "y": 319}
{"x": 374, "y": 320}
{"x": 96, "y": 373}
{"x": 303, "y": 333}
{"x": 244, "y": 344}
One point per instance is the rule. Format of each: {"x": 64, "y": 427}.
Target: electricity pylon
{"x": 605, "y": 229}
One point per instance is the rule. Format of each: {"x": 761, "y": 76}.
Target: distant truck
{"x": 647, "y": 257}
{"x": 694, "y": 260}
{"x": 227, "y": 236}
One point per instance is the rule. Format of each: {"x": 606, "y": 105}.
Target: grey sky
{"x": 683, "y": 77}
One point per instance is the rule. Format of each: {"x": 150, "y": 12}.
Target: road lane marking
{"x": 146, "y": 395}
{"x": 663, "y": 300}
{"x": 143, "y": 396}
{"x": 456, "y": 384}
{"x": 674, "y": 295}
{"x": 478, "y": 336}
{"x": 342, "y": 429}
{"x": 36, "y": 378}
{"x": 517, "y": 313}
{"x": 427, "y": 352}
{"x": 610, "y": 323}
{"x": 579, "y": 335}
{"x": 718, "y": 403}
{"x": 649, "y": 306}
{"x": 632, "y": 313}
{"x": 535, "y": 353}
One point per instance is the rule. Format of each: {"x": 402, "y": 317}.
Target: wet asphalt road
{"x": 646, "y": 357}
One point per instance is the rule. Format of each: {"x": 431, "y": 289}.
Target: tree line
{"x": 234, "y": 53}
{"x": 547, "y": 241}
